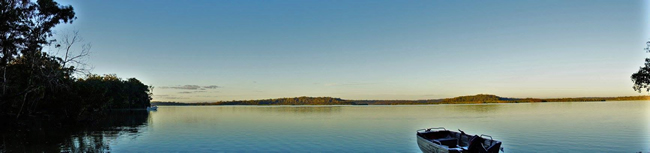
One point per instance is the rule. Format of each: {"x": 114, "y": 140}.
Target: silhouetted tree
{"x": 27, "y": 73}
{"x": 641, "y": 78}
{"x": 72, "y": 56}
{"x": 25, "y": 27}
{"x": 37, "y": 85}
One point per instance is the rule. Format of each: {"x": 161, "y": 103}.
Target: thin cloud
{"x": 177, "y": 98}
{"x": 347, "y": 84}
{"x": 168, "y": 97}
{"x": 189, "y": 92}
{"x": 190, "y": 87}
{"x": 206, "y": 96}
{"x": 211, "y": 87}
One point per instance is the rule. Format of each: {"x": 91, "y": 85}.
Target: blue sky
{"x": 371, "y": 49}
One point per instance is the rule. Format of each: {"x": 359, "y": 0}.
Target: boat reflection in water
{"x": 91, "y": 137}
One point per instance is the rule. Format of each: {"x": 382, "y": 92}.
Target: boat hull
{"x": 429, "y": 147}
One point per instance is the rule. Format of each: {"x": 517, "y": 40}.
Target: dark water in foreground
{"x": 526, "y": 127}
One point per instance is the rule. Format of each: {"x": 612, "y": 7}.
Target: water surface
{"x": 524, "y": 127}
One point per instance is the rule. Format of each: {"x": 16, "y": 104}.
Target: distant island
{"x": 472, "y": 99}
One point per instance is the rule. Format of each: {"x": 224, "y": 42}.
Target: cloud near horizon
{"x": 191, "y": 87}
{"x": 211, "y": 87}
{"x": 189, "y": 92}
{"x": 169, "y": 97}
{"x": 347, "y": 84}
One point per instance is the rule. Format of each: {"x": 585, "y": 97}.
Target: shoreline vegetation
{"x": 44, "y": 82}
{"x": 472, "y": 99}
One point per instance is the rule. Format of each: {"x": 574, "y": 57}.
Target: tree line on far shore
{"x": 38, "y": 86}
{"x": 473, "y": 99}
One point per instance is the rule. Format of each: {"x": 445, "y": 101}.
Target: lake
{"x": 618, "y": 126}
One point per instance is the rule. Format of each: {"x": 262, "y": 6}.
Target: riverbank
{"x": 473, "y": 99}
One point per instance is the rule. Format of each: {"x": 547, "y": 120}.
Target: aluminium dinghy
{"x": 441, "y": 140}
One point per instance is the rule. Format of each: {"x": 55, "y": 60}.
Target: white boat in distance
{"x": 152, "y": 108}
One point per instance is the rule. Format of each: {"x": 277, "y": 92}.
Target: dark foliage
{"x": 36, "y": 86}
{"x": 291, "y": 101}
{"x": 475, "y": 98}
{"x": 641, "y": 78}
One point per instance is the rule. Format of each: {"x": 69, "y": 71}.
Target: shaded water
{"x": 90, "y": 137}
{"x": 525, "y": 127}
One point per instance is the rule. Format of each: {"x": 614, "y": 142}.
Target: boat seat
{"x": 476, "y": 146}
{"x": 449, "y": 142}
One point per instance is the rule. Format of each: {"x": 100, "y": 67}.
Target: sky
{"x": 212, "y": 50}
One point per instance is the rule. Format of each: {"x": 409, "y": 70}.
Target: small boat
{"x": 441, "y": 140}
{"x": 152, "y": 108}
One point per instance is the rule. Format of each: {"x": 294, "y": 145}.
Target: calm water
{"x": 526, "y": 127}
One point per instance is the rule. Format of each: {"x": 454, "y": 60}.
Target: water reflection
{"x": 300, "y": 109}
{"x": 552, "y": 127}
{"x": 92, "y": 137}
{"x": 482, "y": 108}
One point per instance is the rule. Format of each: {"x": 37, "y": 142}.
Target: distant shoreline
{"x": 473, "y": 99}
